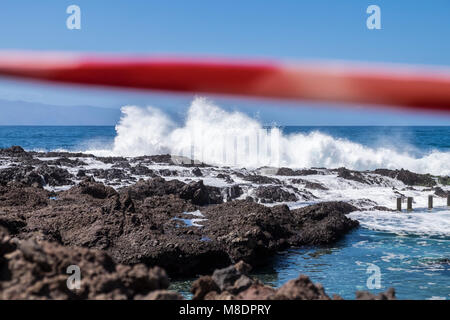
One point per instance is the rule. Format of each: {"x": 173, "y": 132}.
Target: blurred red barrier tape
{"x": 390, "y": 85}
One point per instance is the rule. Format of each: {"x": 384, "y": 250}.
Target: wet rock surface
{"x": 351, "y": 175}
{"x": 291, "y": 172}
{"x": 38, "y": 177}
{"x": 271, "y": 194}
{"x": 440, "y": 192}
{"x": 408, "y": 177}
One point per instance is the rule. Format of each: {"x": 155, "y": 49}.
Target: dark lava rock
{"x": 24, "y": 175}
{"x": 301, "y": 288}
{"x": 291, "y": 172}
{"x": 154, "y": 187}
{"x": 17, "y": 195}
{"x": 200, "y": 194}
{"x": 55, "y": 176}
{"x": 254, "y": 178}
{"x": 351, "y": 175}
{"x": 315, "y": 186}
{"x": 64, "y": 161}
{"x": 33, "y": 269}
{"x": 234, "y": 192}
{"x": 225, "y": 177}
{"x": 232, "y": 284}
{"x": 285, "y": 172}
{"x": 269, "y": 194}
{"x": 111, "y": 160}
{"x": 388, "y": 295}
{"x": 225, "y": 278}
{"x": 224, "y": 283}
{"x": 81, "y": 173}
{"x": 59, "y": 154}
{"x": 91, "y": 188}
{"x": 195, "y": 191}
{"x": 237, "y": 230}
{"x": 162, "y": 295}
{"x": 382, "y": 208}
{"x": 324, "y": 222}
{"x": 304, "y": 194}
{"x": 168, "y": 173}
{"x": 15, "y": 151}
{"x": 161, "y": 158}
{"x": 197, "y": 172}
{"x": 252, "y": 232}
{"x": 141, "y": 170}
{"x": 141, "y": 223}
{"x": 202, "y": 286}
{"x": 444, "y": 180}
{"x": 408, "y": 177}
{"x": 440, "y": 192}
{"x": 43, "y": 175}
{"x": 309, "y": 184}
{"x": 109, "y": 174}
{"x": 121, "y": 165}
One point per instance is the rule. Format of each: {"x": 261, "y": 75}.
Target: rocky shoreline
{"x": 129, "y": 223}
{"x": 36, "y": 269}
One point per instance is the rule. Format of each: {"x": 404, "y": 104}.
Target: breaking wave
{"x": 216, "y": 136}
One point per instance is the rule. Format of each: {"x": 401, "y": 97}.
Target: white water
{"x": 215, "y": 136}
{"x": 435, "y": 223}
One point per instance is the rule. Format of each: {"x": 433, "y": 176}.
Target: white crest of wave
{"x": 220, "y": 137}
{"x": 142, "y": 132}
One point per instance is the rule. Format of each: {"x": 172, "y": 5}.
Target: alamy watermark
{"x": 258, "y": 147}
{"x": 374, "y": 280}
{"x": 74, "y": 280}
{"x": 73, "y": 22}
{"x": 374, "y": 20}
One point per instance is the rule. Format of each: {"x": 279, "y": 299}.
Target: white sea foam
{"x": 219, "y": 137}
{"x": 420, "y": 223}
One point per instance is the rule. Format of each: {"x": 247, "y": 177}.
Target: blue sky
{"x": 414, "y": 32}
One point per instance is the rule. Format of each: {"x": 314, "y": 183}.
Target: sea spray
{"x": 216, "y": 136}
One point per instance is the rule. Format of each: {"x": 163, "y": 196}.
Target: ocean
{"x": 75, "y": 138}
{"x": 416, "y": 264}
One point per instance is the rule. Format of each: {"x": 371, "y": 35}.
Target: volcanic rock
{"x": 440, "y": 192}
{"x": 351, "y": 175}
{"x": 408, "y": 177}
{"x": 388, "y": 295}
{"x": 197, "y": 172}
{"x": 324, "y": 222}
{"x": 15, "y": 151}
{"x": 33, "y": 269}
{"x": 141, "y": 170}
{"x": 269, "y": 194}
{"x": 254, "y": 178}
{"x": 291, "y": 172}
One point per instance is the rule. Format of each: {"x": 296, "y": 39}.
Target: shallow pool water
{"x": 418, "y": 267}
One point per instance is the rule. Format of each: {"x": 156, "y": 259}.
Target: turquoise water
{"x": 417, "y": 266}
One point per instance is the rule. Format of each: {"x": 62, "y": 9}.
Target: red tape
{"x": 393, "y": 86}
